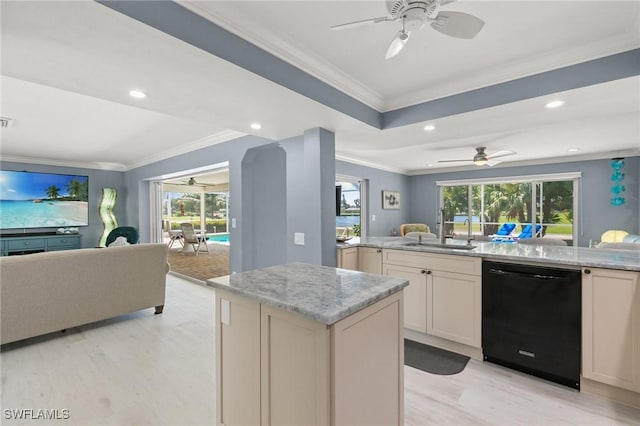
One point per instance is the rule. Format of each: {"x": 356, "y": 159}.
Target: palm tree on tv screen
{"x": 53, "y": 191}
{"x": 78, "y": 190}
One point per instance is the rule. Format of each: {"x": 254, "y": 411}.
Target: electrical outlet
{"x": 298, "y": 238}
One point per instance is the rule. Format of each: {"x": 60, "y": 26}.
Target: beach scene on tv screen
{"x": 43, "y": 200}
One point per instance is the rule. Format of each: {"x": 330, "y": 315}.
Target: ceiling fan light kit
{"x": 414, "y": 14}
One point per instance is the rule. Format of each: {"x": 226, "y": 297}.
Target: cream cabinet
{"x": 275, "y": 367}
{"x": 454, "y": 309}
{"x": 444, "y": 296}
{"x": 370, "y": 260}
{"x": 347, "y": 258}
{"x": 611, "y": 327}
{"x": 415, "y": 294}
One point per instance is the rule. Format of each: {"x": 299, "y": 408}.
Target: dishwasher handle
{"x": 524, "y": 275}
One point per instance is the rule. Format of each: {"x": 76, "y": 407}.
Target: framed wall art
{"x": 391, "y": 200}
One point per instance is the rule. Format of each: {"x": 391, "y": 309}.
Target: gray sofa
{"x": 45, "y": 292}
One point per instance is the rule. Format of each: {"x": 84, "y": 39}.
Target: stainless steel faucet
{"x": 443, "y": 238}
{"x": 469, "y": 231}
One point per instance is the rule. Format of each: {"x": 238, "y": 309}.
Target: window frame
{"x": 575, "y": 177}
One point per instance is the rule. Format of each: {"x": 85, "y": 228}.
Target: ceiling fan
{"x": 481, "y": 158}
{"x": 192, "y": 182}
{"x": 414, "y": 14}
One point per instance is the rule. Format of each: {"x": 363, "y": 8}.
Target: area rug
{"x": 433, "y": 360}
{"x": 203, "y": 266}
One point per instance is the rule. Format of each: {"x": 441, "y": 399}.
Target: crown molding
{"x": 214, "y": 139}
{"x": 348, "y": 159}
{"x": 223, "y": 136}
{"x": 304, "y": 60}
{"x": 501, "y": 74}
{"x": 115, "y": 167}
{"x": 536, "y": 162}
{"x": 328, "y": 73}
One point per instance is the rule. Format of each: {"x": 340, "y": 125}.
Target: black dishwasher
{"x": 531, "y": 320}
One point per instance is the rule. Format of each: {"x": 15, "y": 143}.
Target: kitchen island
{"x": 306, "y": 344}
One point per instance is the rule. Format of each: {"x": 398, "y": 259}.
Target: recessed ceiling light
{"x": 554, "y": 104}
{"x": 429, "y": 127}
{"x": 256, "y": 126}
{"x": 573, "y": 150}
{"x": 138, "y": 94}
{"x": 429, "y": 165}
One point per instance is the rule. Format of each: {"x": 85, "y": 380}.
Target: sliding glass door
{"x": 547, "y": 203}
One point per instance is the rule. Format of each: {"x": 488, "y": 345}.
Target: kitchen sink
{"x": 442, "y": 246}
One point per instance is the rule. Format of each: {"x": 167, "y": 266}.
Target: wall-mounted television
{"x": 43, "y": 200}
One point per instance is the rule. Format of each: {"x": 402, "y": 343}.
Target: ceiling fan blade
{"x": 458, "y": 24}
{"x": 454, "y": 161}
{"x": 397, "y": 44}
{"x": 492, "y": 163}
{"x": 499, "y": 154}
{"x": 362, "y": 22}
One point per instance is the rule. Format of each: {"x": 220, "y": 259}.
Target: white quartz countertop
{"x": 321, "y": 293}
{"x": 543, "y": 254}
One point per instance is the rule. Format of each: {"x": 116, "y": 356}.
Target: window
{"x": 348, "y": 221}
{"x": 548, "y": 202}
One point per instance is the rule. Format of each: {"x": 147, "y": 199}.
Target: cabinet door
{"x": 371, "y": 392}
{"x": 237, "y": 359}
{"x": 348, "y": 258}
{"x": 370, "y": 260}
{"x": 454, "y": 307}
{"x": 611, "y": 327}
{"x": 415, "y": 295}
{"x": 295, "y": 369}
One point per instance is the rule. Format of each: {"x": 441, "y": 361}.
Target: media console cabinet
{"x": 36, "y": 243}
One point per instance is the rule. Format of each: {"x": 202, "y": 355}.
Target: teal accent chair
{"x": 131, "y": 233}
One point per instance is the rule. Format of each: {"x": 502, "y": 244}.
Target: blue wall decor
{"x": 617, "y": 177}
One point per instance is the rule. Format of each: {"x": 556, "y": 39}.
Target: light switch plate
{"x": 373, "y": 218}
{"x": 233, "y": 222}
{"x": 225, "y": 312}
{"x": 298, "y": 238}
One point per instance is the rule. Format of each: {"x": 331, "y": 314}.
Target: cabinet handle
{"x": 379, "y": 251}
{"x": 428, "y": 272}
{"x": 26, "y": 243}
{"x": 587, "y": 271}
{"x": 423, "y": 271}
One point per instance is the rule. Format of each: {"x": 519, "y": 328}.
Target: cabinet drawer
{"x": 21, "y": 244}
{"x": 404, "y": 258}
{"x": 436, "y": 262}
{"x": 457, "y": 264}
{"x": 62, "y": 242}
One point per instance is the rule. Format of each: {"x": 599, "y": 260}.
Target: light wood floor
{"x": 145, "y": 369}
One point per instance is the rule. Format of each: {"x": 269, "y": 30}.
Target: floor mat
{"x": 433, "y": 360}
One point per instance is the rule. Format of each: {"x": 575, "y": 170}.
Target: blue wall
{"x": 303, "y": 186}
{"x": 137, "y": 181}
{"x": 597, "y": 214}
{"x": 380, "y": 180}
{"x": 419, "y": 195}
{"x": 98, "y": 179}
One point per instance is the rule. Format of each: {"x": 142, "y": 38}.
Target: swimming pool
{"x": 219, "y": 238}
